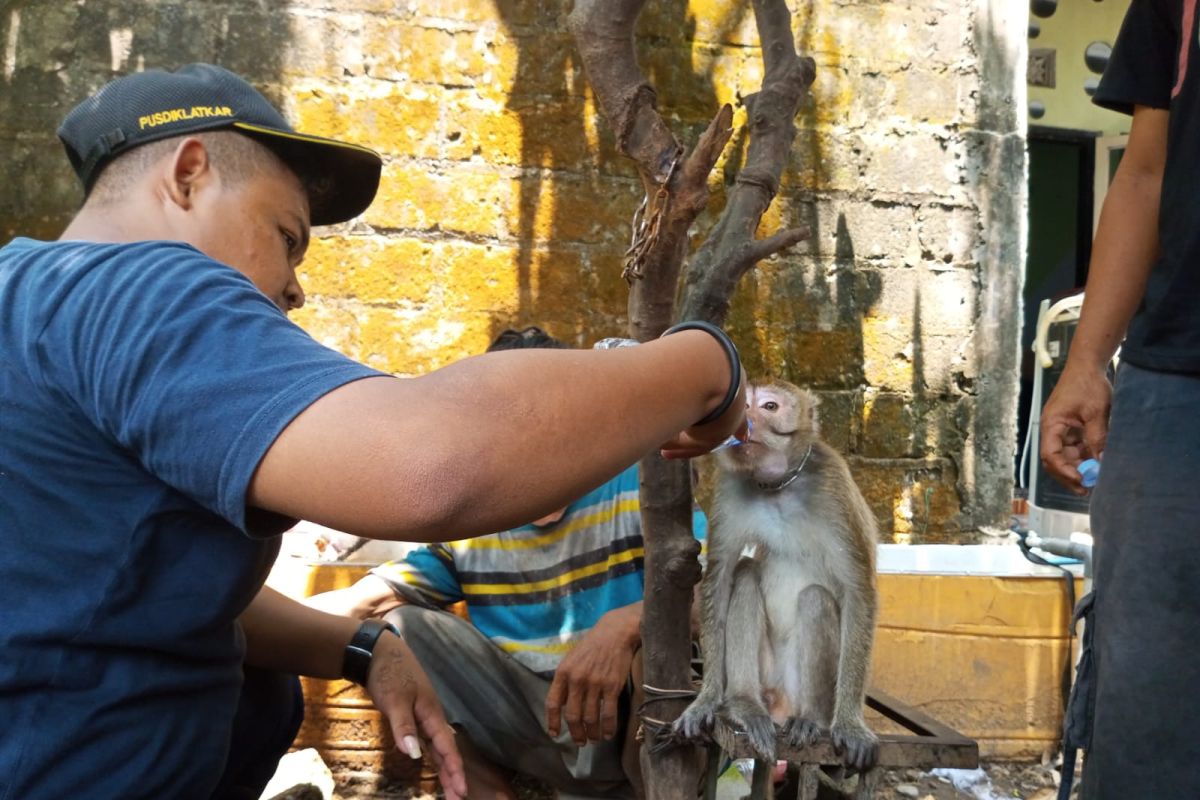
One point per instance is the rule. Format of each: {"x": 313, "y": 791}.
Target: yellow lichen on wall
{"x": 505, "y": 201}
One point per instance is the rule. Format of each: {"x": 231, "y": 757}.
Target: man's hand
{"x": 1075, "y": 423}
{"x": 402, "y": 692}
{"x": 700, "y": 439}
{"x": 370, "y": 596}
{"x": 589, "y": 680}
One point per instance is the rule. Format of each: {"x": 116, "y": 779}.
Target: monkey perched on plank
{"x": 788, "y": 598}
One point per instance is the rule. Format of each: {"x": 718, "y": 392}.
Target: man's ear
{"x": 188, "y": 171}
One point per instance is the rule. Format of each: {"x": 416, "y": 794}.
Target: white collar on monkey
{"x": 790, "y": 477}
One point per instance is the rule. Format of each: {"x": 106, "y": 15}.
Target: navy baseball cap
{"x": 340, "y": 178}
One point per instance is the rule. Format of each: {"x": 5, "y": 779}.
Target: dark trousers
{"x": 270, "y": 710}
{"x": 1146, "y": 620}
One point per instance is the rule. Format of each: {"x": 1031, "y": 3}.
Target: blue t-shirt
{"x": 140, "y": 386}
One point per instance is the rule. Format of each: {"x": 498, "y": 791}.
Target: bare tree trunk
{"x": 676, "y": 193}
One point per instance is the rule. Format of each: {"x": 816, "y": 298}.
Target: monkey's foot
{"x": 745, "y": 716}
{"x": 801, "y": 732}
{"x": 697, "y": 720}
{"x": 855, "y": 743}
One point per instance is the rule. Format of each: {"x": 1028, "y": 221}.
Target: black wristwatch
{"x": 356, "y": 663}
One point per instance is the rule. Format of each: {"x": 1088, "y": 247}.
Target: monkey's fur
{"x": 788, "y": 598}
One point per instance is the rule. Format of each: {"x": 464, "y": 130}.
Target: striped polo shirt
{"x": 535, "y": 591}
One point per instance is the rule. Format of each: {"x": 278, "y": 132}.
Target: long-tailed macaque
{"x": 788, "y": 598}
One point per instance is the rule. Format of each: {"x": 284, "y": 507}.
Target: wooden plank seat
{"x": 925, "y": 744}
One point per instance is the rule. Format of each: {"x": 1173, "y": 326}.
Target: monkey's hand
{"x": 695, "y": 724}
{"x": 746, "y": 717}
{"x": 801, "y": 732}
{"x": 855, "y": 743}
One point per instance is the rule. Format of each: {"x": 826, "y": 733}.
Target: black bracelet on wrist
{"x": 356, "y": 662}
{"x": 731, "y": 352}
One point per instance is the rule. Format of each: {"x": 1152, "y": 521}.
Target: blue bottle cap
{"x": 1089, "y": 472}
{"x": 732, "y": 441}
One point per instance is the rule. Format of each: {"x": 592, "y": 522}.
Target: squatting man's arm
{"x": 587, "y": 683}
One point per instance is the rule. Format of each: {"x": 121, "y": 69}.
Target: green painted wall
{"x": 1072, "y": 27}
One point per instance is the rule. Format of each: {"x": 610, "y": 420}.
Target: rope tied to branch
{"x": 646, "y": 226}
{"x": 656, "y": 733}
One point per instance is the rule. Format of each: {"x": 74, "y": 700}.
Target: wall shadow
{"x": 54, "y": 53}
{"x": 576, "y": 199}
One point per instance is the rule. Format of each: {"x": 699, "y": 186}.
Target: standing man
{"x": 538, "y": 682}
{"x": 161, "y": 421}
{"x": 1144, "y": 287}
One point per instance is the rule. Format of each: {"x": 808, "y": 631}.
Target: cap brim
{"x": 341, "y": 178}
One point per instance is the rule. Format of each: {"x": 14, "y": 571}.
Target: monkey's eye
{"x": 771, "y": 405}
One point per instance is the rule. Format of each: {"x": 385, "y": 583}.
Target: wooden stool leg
{"x": 713, "y": 773}
{"x": 760, "y": 785}
{"x": 867, "y": 783}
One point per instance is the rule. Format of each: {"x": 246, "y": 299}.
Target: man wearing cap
{"x": 162, "y": 421}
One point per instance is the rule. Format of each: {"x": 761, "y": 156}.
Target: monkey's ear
{"x": 814, "y": 418}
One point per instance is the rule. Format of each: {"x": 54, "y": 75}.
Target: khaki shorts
{"x": 499, "y": 704}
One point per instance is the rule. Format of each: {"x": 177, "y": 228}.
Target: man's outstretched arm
{"x": 492, "y": 441}
{"x": 370, "y": 596}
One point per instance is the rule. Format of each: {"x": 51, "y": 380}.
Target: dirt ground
{"x": 995, "y": 781}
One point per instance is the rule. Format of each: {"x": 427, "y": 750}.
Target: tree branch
{"x": 676, "y": 192}
{"x": 603, "y": 31}
{"x": 759, "y": 249}
{"x": 731, "y": 249}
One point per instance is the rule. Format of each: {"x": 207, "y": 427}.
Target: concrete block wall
{"x": 504, "y": 201}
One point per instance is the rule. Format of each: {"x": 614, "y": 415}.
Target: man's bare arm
{"x": 370, "y": 596}
{"x": 492, "y": 441}
{"x": 286, "y": 636}
{"x": 1126, "y": 244}
{"x": 1075, "y": 420}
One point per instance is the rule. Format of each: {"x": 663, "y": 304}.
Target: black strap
{"x": 356, "y": 662}
{"x": 1069, "y": 750}
{"x": 731, "y": 352}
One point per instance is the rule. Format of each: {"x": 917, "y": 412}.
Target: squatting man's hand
{"x": 588, "y": 682}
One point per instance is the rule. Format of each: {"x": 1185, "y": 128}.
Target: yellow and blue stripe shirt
{"x": 535, "y": 591}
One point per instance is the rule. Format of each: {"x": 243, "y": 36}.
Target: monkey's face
{"x": 782, "y": 426}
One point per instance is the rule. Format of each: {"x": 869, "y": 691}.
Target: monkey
{"x": 788, "y": 598}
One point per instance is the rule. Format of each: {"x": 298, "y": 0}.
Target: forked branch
{"x": 676, "y": 187}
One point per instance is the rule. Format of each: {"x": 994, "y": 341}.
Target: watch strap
{"x": 356, "y": 662}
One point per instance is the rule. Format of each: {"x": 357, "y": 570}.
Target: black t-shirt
{"x": 1155, "y": 64}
